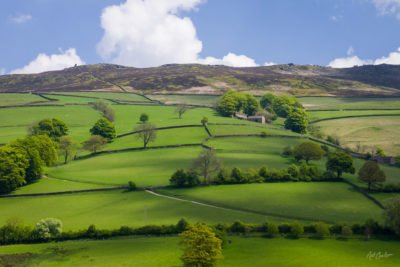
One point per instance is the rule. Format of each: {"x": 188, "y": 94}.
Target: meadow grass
{"x": 248, "y": 129}
{"x": 366, "y": 133}
{"x": 318, "y": 115}
{"x": 165, "y": 251}
{"x": 110, "y": 210}
{"x": 7, "y": 99}
{"x": 207, "y": 100}
{"x": 316, "y": 103}
{"x": 107, "y": 95}
{"x": 324, "y": 201}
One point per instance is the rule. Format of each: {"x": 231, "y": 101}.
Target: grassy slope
{"x": 111, "y": 210}
{"x": 105, "y": 95}
{"x": 335, "y": 202}
{"x": 206, "y": 100}
{"x": 317, "y": 115}
{"x": 317, "y": 103}
{"x": 257, "y": 252}
{"x": 369, "y": 133}
{"x": 18, "y": 99}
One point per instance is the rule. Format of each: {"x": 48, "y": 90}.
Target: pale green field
{"x": 316, "y": 103}
{"x": 317, "y": 115}
{"x": 367, "y": 133}
{"x": 248, "y": 129}
{"x": 114, "y": 96}
{"x": 165, "y": 252}
{"x": 332, "y": 202}
{"x": 8, "y": 99}
{"x": 206, "y": 100}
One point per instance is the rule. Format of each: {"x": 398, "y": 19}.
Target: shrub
{"x": 296, "y": 229}
{"x": 272, "y": 229}
{"x": 238, "y": 227}
{"x": 48, "y": 228}
{"x": 346, "y": 231}
{"x": 182, "y": 225}
{"x": 131, "y": 186}
{"x": 143, "y": 117}
{"x": 322, "y": 230}
{"x": 287, "y": 151}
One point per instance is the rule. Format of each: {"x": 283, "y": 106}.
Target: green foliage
{"x": 132, "y": 186}
{"x": 267, "y": 100}
{"x": 201, "y": 247}
{"x": 144, "y": 117}
{"x": 308, "y": 151}
{"x": 272, "y": 229}
{"x": 48, "y": 228}
{"x": 346, "y": 231}
{"x": 68, "y": 147}
{"x": 13, "y": 165}
{"x": 250, "y": 105}
{"x": 233, "y": 101}
{"x": 54, "y": 128}
{"x": 184, "y": 179}
{"x": 297, "y": 121}
{"x": 371, "y": 174}
{"x": 182, "y": 225}
{"x": 105, "y": 110}
{"x": 104, "y": 128}
{"x": 180, "y": 110}
{"x": 206, "y": 165}
{"x": 296, "y": 229}
{"x": 95, "y": 143}
{"x": 280, "y": 105}
{"x": 392, "y": 215}
{"x": 14, "y": 231}
{"x": 322, "y": 230}
{"x": 204, "y": 121}
{"x": 340, "y": 162}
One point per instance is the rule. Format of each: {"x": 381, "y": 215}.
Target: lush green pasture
{"x": 189, "y": 135}
{"x": 317, "y": 103}
{"x": 317, "y": 115}
{"x": 18, "y": 99}
{"x": 46, "y": 185}
{"x": 248, "y": 129}
{"x": 165, "y": 251}
{"x": 110, "y": 210}
{"x": 127, "y": 117}
{"x": 14, "y": 121}
{"x": 207, "y": 100}
{"x": 67, "y": 100}
{"x": 152, "y": 167}
{"x": 252, "y": 152}
{"x": 334, "y": 202}
{"x": 114, "y": 96}
{"x": 367, "y": 133}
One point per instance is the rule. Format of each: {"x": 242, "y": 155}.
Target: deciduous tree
{"x": 308, "y": 151}
{"x": 392, "y": 215}
{"x": 95, "y": 143}
{"x": 371, "y": 174}
{"x": 340, "y": 162}
{"x": 181, "y": 109}
{"x": 147, "y": 132}
{"x": 104, "y": 128}
{"x": 206, "y": 164}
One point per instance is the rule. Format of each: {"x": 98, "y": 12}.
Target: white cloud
{"x": 270, "y": 63}
{"x": 45, "y": 62}
{"x": 347, "y": 62}
{"x": 19, "y": 19}
{"x": 145, "y": 33}
{"x": 230, "y": 59}
{"x": 388, "y": 7}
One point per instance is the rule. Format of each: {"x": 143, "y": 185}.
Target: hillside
{"x": 303, "y": 80}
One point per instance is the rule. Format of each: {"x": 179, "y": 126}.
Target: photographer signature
{"x": 377, "y": 255}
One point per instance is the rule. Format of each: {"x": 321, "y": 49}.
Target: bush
{"x": 182, "y": 225}
{"x": 296, "y": 229}
{"x": 322, "y": 230}
{"x": 272, "y": 229}
{"x": 143, "y": 117}
{"x": 48, "y": 228}
{"x": 238, "y": 227}
{"x": 184, "y": 179}
{"x": 287, "y": 151}
{"x": 346, "y": 231}
{"x": 131, "y": 186}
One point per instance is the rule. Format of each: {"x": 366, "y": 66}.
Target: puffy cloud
{"x": 145, "y": 33}
{"x": 45, "y": 62}
{"x": 388, "y": 7}
{"x": 20, "y": 19}
{"x": 149, "y": 33}
{"x": 230, "y": 59}
{"x": 270, "y": 63}
{"x": 347, "y": 62}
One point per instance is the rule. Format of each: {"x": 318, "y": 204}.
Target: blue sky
{"x": 147, "y": 33}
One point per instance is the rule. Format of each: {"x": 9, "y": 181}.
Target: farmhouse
{"x": 256, "y": 118}
{"x": 384, "y": 160}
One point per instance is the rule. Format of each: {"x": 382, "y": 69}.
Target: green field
{"x": 18, "y": 99}
{"x": 248, "y": 129}
{"x": 317, "y": 103}
{"x": 115, "y": 96}
{"x": 165, "y": 251}
{"x": 110, "y": 210}
{"x": 319, "y": 115}
{"x": 366, "y": 133}
{"x": 334, "y": 202}
{"x": 206, "y": 100}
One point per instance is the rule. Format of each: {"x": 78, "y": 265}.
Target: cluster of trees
{"x": 233, "y": 101}
{"x": 22, "y": 161}
{"x": 105, "y": 110}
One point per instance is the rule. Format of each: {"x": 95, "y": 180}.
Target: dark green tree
{"x": 54, "y": 128}
{"x": 340, "y": 162}
{"x": 250, "y": 105}
{"x": 392, "y": 214}
{"x": 371, "y": 174}
{"x": 297, "y": 121}
{"x": 308, "y": 151}
{"x": 144, "y": 117}
{"x": 229, "y": 103}
{"x": 104, "y": 128}
{"x": 267, "y": 100}
{"x": 13, "y": 165}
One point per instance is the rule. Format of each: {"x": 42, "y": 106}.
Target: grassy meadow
{"x": 318, "y": 103}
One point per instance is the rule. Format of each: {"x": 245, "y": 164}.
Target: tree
{"x": 228, "y": 104}
{"x": 48, "y": 228}
{"x": 144, "y": 117}
{"x": 181, "y": 109}
{"x": 204, "y": 121}
{"x": 322, "y": 230}
{"x": 54, "y": 128}
{"x": 272, "y": 229}
{"x": 392, "y": 215}
{"x": 201, "y": 247}
{"x": 147, "y": 132}
{"x": 104, "y": 128}
{"x": 67, "y": 147}
{"x": 250, "y": 105}
{"x": 95, "y": 143}
{"x": 267, "y": 100}
{"x": 184, "y": 179}
{"x": 340, "y": 162}
{"x": 346, "y": 231}
{"x": 13, "y": 165}
{"x": 371, "y": 174}
{"x": 105, "y": 110}
{"x": 206, "y": 164}
{"x": 308, "y": 151}
{"x": 297, "y": 121}
{"x": 296, "y": 229}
